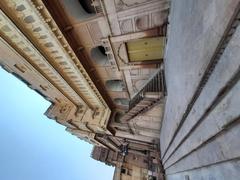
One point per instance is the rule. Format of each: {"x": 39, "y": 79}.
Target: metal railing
{"x": 155, "y": 84}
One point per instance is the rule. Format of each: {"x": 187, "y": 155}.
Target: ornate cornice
{"x": 48, "y": 45}
{"x": 20, "y": 43}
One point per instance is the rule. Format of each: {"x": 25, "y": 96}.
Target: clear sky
{"x": 33, "y": 147}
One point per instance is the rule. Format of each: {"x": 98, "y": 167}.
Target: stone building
{"x": 152, "y": 84}
{"x": 130, "y": 166}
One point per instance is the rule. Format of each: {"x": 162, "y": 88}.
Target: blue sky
{"x": 34, "y": 147}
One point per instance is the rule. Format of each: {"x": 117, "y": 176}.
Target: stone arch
{"x": 121, "y": 101}
{"x": 118, "y": 116}
{"x": 99, "y": 56}
{"x": 115, "y": 85}
{"x": 87, "y": 6}
{"x": 80, "y": 9}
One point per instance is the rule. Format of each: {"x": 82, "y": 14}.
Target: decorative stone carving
{"x": 142, "y": 22}
{"x": 126, "y": 26}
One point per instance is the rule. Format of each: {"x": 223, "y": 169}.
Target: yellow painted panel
{"x": 146, "y": 49}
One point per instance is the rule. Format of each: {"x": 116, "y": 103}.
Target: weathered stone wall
{"x": 200, "y": 129}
